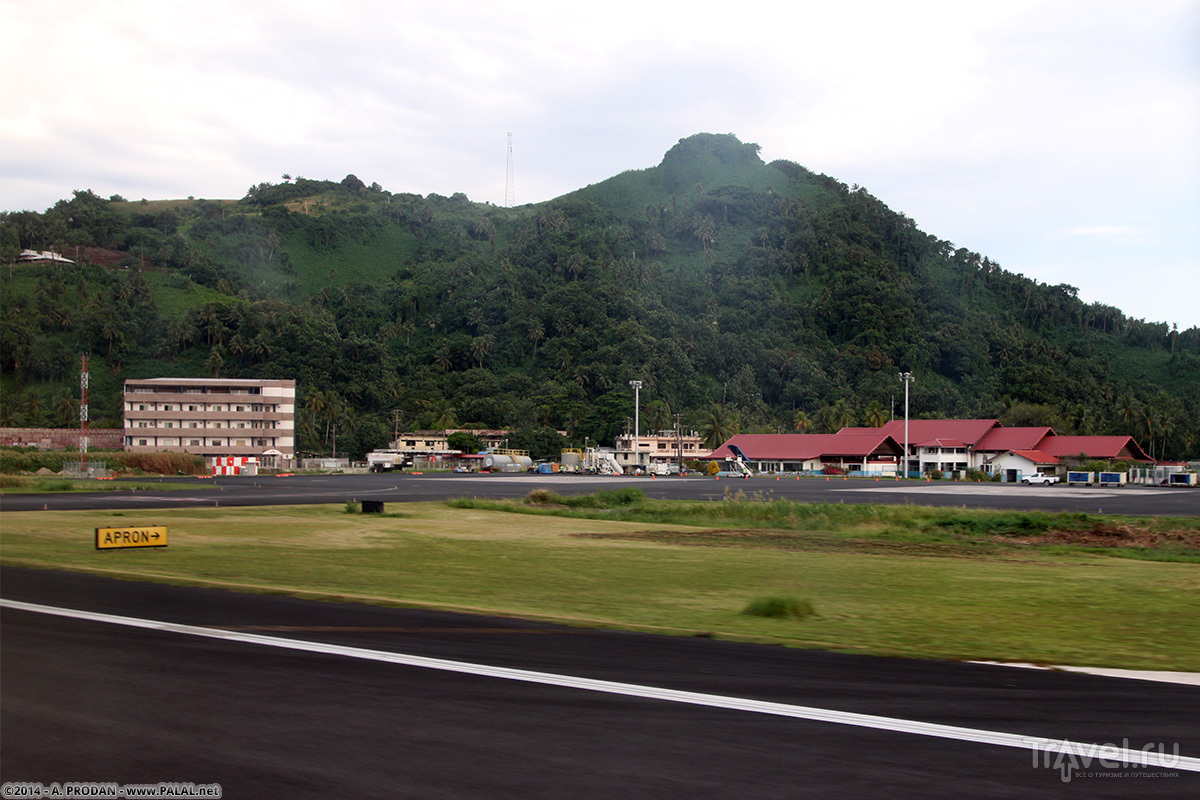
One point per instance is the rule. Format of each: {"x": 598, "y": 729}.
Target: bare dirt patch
{"x": 956, "y": 545}
{"x": 1116, "y": 536}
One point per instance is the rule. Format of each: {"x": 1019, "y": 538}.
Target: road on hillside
{"x": 369, "y": 709}
{"x": 401, "y": 488}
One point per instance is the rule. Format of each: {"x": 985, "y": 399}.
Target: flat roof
{"x": 211, "y": 381}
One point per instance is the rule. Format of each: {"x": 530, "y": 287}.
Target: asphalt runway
{"x": 404, "y": 487}
{"x": 369, "y": 709}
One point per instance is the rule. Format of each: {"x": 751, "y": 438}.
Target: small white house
{"x": 1013, "y": 465}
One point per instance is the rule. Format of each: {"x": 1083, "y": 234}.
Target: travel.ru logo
{"x": 1070, "y": 757}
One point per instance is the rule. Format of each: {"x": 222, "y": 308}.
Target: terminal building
{"x": 212, "y": 417}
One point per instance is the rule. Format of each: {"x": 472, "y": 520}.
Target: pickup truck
{"x": 1039, "y": 478}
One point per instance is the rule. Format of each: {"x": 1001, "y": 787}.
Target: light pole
{"x": 906, "y": 377}
{"x": 637, "y": 389}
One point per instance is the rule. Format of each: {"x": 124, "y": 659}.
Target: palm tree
{"x": 64, "y": 407}
{"x": 876, "y": 416}
{"x": 802, "y": 422}
{"x": 335, "y": 411}
{"x": 442, "y": 359}
{"x": 260, "y": 347}
{"x": 717, "y": 426}
{"x": 481, "y": 346}
{"x": 1127, "y": 407}
{"x": 110, "y": 329}
{"x": 536, "y": 333}
{"x": 475, "y": 318}
{"x": 316, "y": 402}
{"x": 575, "y": 265}
{"x": 841, "y": 415}
{"x": 440, "y": 413}
{"x": 215, "y": 361}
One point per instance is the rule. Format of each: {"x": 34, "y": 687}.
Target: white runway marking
{"x": 1006, "y": 489}
{"x": 1147, "y": 758}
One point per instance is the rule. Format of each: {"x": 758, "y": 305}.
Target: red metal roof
{"x": 1001, "y": 439}
{"x": 1123, "y": 447}
{"x": 805, "y": 446}
{"x": 927, "y": 432}
{"x": 1036, "y": 456}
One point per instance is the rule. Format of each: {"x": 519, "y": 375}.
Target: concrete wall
{"x": 62, "y": 438}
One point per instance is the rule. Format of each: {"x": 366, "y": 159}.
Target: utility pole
{"x": 637, "y": 455}
{"x": 510, "y": 189}
{"x": 679, "y": 442}
{"x": 906, "y": 377}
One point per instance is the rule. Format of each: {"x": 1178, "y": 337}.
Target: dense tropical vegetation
{"x": 746, "y": 296}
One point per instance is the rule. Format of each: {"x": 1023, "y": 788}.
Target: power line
{"x": 510, "y": 189}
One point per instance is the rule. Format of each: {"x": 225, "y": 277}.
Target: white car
{"x": 1039, "y": 478}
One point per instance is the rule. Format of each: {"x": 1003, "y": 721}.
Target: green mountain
{"x": 741, "y": 293}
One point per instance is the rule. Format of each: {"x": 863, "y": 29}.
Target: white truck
{"x": 387, "y": 461}
{"x": 1038, "y": 478}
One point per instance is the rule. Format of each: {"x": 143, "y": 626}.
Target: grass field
{"x": 1039, "y": 604}
{"x": 20, "y": 484}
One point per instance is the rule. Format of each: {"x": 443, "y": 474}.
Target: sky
{"x": 1060, "y": 138}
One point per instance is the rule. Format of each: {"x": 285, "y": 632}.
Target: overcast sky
{"x": 1059, "y": 138}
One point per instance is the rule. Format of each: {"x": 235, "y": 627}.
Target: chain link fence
{"x": 92, "y": 469}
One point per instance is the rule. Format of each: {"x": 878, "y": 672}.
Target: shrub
{"x": 620, "y": 497}
{"x": 30, "y": 460}
{"x": 777, "y": 606}
{"x": 831, "y": 469}
{"x": 544, "y": 497}
{"x": 934, "y": 474}
{"x": 713, "y": 468}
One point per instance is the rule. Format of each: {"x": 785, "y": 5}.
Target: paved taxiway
{"x": 87, "y": 699}
{"x": 399, "y": 488}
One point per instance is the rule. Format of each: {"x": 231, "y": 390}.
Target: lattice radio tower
{"x": 510, "y": 189}
{"x": 83, "y": 412}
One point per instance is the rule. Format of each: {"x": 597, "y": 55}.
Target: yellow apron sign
{"x": 113, "y": 538}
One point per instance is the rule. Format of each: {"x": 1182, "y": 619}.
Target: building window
{"x": 193, "y": 442}
{"x": 216, "y": 442}
{"x": 141, "y": 442}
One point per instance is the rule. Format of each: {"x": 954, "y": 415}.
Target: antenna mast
{"x": 510, "y": 189}
{"x": 83, "y": 412}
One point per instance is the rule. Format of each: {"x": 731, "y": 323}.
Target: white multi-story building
{"x": 664, "y": 447}
{"x": 211, "y": 417}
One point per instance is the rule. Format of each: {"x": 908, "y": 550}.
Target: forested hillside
{"x": 746, "y": 296}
